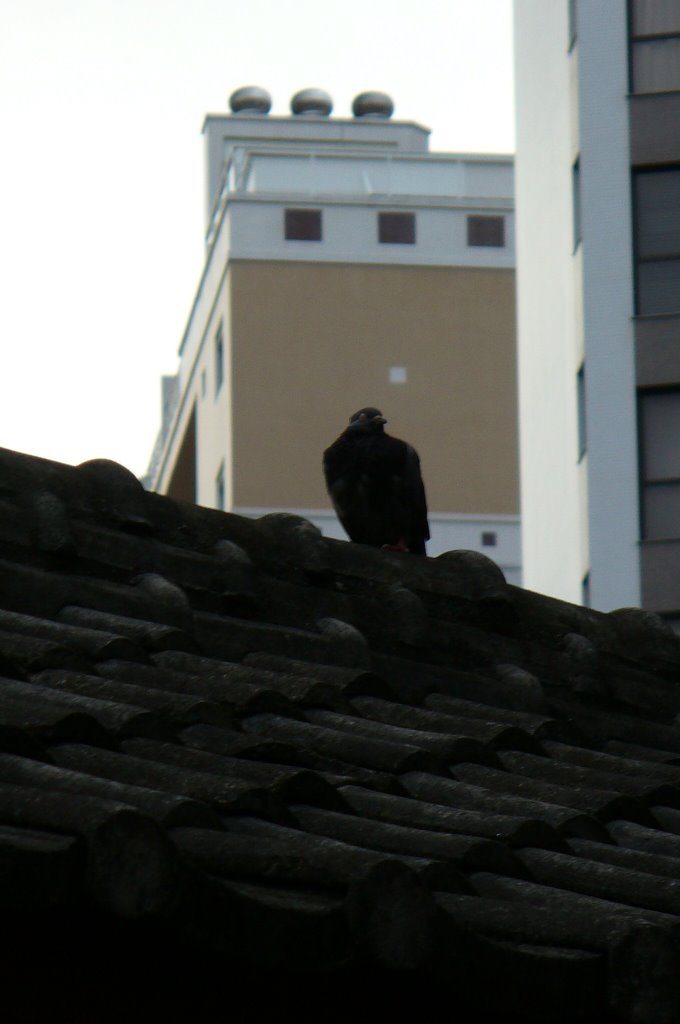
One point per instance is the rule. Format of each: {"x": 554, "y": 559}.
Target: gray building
{"x": 598, "y": 251}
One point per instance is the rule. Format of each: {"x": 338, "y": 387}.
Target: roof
{"x": 232, "y": 749}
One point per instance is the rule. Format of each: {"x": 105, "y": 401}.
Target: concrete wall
{"x": 350, "y": 233}
{"x": 548, "y": 340}
{"x": 314, "y": 342}
{"x": 575, "y": 303}
{"x": 608, "y": 308}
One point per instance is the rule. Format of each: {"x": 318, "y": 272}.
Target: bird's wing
{"x": 344, "y": 481}
{"x": 415, "y": 490}
{"x": 339, "y": 463}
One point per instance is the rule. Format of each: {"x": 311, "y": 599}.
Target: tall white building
{"x": 598, "y": 253}
{"x": 347, "y": 265}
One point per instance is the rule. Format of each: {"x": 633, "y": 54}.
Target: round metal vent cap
{"x": 373, "y": 104}
{"x": 313, "y": 102}
{"x": 250, "y": 99}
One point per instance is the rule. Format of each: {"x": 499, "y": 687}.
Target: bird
{"x": 376, "y": 487}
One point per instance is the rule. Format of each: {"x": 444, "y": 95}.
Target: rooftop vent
{"x": 373, "y": 104}
{"x": 312, "y": 103}
{"x": 250, "y": 99}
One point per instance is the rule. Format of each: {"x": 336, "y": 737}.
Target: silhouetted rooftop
{"x": 244, "y": 766}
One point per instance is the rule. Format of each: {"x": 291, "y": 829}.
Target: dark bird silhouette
{"x": 375, "y": 485}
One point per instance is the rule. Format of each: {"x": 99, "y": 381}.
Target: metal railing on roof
{"x": 351, "y": 173}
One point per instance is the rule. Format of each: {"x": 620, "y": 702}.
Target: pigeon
{"x": 375, "y": 485}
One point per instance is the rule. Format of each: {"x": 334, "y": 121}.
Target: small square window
{"x": 302, "y": 225}
{"x": 486, "y": 231}
{"x": 489, "y": 539}
{"x": 397, "y": 228}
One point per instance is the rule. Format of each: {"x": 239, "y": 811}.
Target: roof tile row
{"x": 312, "y": 756}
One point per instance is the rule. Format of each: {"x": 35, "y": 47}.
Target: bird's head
{"x": 369, "y": 421}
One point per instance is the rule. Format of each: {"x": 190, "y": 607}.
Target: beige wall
{"x": 311, "y": 343}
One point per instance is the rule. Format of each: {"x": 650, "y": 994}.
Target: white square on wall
{"x": 398, "y": 375}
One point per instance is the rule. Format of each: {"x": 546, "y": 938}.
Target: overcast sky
{"x": 102, "y": 193}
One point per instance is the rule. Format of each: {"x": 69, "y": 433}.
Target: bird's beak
{"x": 379, "y": 419}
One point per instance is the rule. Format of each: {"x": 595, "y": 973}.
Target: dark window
{"x": 576, "y": 202}
{"x": 659, "y": 286}
{"x": 659, "y": 416}
{"x": 653, "y": 17}
{"x": 585, "y": 591}
{"x": 581, "y": 411}
{"x": 571, "y": 14}
{"x": 486, "y": 231}
{"x": 658, "y": 209}
{"x": 655, "y": 46}
{"x": 656, "y": 65}
{"x": 219, "y": 359}
{"x": 397, "y": 228}
{"x": 302, "y": 225}
{"x": 219, "y": 488}
{"x": 489, "y": 539}
{"x": 657, "y": 240}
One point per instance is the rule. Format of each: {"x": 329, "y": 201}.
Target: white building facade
{"x": 598, "y": 246}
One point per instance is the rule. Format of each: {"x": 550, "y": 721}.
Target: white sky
{"x": 101, "y": 173}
